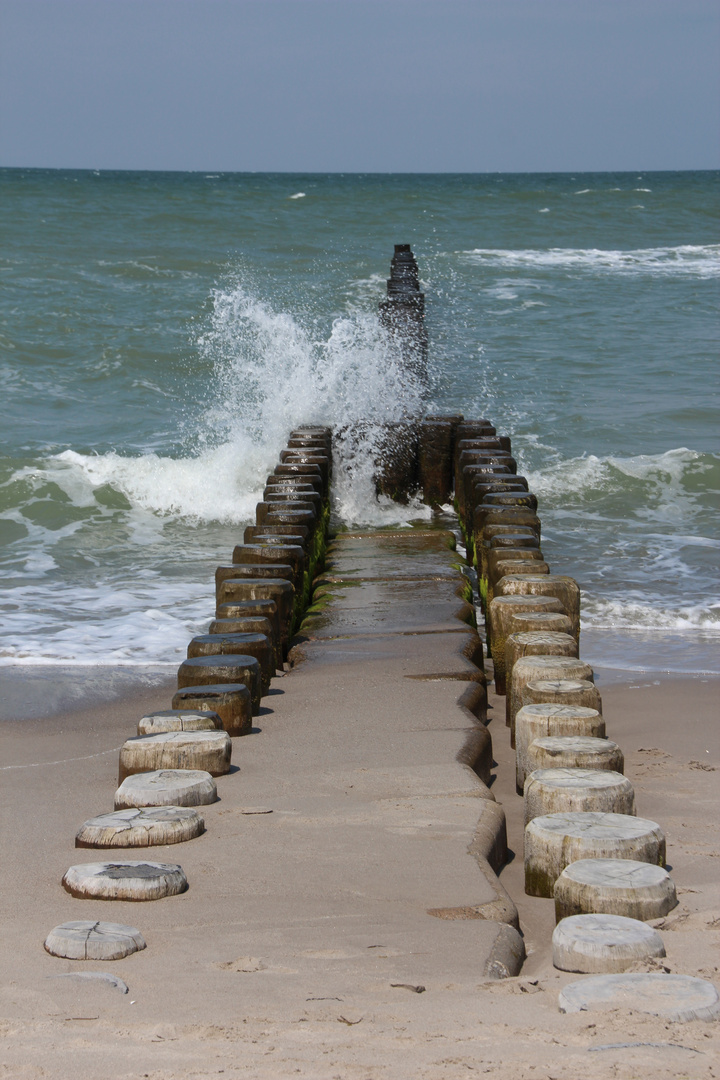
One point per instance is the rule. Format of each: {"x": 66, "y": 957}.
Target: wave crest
{"x": 630, "y": 613}
{"x": 671, "y": 481}
{"x": 270, "y": 374}
{"x": 700, "y": 260}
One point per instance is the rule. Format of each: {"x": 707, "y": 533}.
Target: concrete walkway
{"x": 366, "y": 762}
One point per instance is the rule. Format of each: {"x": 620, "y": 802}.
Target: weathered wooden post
{"x": 403, "y": 312}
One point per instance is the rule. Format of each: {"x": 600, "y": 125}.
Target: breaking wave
{"x": 699, "y": 260}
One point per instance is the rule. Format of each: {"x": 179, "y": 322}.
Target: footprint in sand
{"x": 243, "y": 963}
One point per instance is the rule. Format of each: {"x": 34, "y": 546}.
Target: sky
{"x": 360, "y": 85}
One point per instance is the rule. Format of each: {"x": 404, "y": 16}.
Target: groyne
{"x": 394, "y": 636}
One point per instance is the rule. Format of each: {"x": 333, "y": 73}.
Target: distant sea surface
{"x": 161, "y": 332}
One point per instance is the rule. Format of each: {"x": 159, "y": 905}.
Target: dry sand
{"x": 255, "y": 973}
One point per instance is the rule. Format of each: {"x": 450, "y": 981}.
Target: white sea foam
{"x": 132, "y": 622}
{"x": 664, "y": 479}
{"x": 503, "y": 290}
{"x": 700, "y": 260}
{"x": 39, "y": 563}
{"x": 633, "y": 613}
{"x": 217, "y": 485}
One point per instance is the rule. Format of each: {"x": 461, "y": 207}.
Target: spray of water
{"x": 272, "y": 374}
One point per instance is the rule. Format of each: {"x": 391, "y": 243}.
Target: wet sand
{"x": 244, "y": 975}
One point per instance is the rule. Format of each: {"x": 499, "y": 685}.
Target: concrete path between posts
{"x": 364, "y": 873}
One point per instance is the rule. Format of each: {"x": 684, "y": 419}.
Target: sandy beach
{"x": 255, "y": 972}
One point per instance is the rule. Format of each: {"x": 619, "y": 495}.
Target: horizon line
{"x": 216, "y": 173}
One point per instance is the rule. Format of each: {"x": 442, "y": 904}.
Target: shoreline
{"x": 45, "y": 691}
{"x": 34, "y": 691}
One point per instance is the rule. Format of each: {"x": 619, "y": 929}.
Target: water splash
{"x": 270, "y": 373}
{"x": 77, "y": 515}
{"x": 273, "y": 373}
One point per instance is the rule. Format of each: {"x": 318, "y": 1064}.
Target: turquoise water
{"x": 160, "y": 332}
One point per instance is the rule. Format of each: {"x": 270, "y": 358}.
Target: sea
{"x": 160, "y": 333}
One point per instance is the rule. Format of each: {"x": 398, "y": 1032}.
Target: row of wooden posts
{"x": 583, "y": 843}
{"x": 170, "y": 767}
